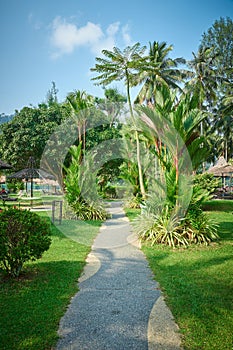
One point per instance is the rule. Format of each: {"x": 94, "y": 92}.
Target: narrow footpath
{"x": 119, "y": 305}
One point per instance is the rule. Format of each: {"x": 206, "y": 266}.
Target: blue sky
{"x": 44, "y": 41}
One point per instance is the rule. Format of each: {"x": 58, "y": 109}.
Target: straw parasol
{"x": 31, "y": 173}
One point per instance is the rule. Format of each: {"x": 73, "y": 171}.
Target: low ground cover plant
{"x": 24, "y": 236}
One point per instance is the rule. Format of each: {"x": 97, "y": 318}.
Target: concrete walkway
{"x": 119, "y": 305}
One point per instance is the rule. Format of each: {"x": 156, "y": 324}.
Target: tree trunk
{"x": 140, "y": 174}
{"x": 226, "y": 153}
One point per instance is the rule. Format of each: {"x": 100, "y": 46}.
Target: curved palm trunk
{"x": 140, "y": 174}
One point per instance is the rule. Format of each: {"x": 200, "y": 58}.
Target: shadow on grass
{"x": 226, "y": 230}
{"x": 218, "y": 205}
{"x": 82, "y": 232}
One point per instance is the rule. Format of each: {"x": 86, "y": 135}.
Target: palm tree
{"x": 204, "y": 80}
{"x": 112, "y": 104}
{"x": 203, "y": 83}
{"x": 226, "y": 121}
{"x": 122, "y": 65}
{"x": 80, "y": 101}
{"x": 222, "y": 128}
{"x": 157, "y": 70}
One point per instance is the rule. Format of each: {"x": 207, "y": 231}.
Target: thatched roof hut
{"x": 222, "y": 168}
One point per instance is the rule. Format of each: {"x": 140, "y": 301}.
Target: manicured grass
{"x": 32, "y": 306}
{"x": 198, "y": 286}
{"x": 25, "y": 202}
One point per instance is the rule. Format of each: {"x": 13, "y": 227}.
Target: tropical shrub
{"x": 167, "y": 229}
{"x": 88, "y": 210}
{"x": 134, "y": 202}
{"x": 160, "y": 228}
{"x": 207, "y": 182}
{"x": 160, "y": 222}
{"x": 80, "y": 191}
{"x": 15, "y": 185}
{"x": 197, "y": 225}
{"x": 172, "y": 212}
{"x": 24, "y": 236}
{"x": 199, "y": 228}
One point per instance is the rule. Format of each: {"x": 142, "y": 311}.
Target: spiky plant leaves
{"x": 80, "y": 188}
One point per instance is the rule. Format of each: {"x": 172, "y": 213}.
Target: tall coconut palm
{"x": 226, "y": 120}
{"x": 205, "y": 78}
{"x": 157, "y": 70}
{"x": 122, "y": 65}
{"x": 203, "y": 83}
{"x": 223, "y": 128}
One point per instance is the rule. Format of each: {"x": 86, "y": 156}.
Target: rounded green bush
{"x": 24, "y": 236}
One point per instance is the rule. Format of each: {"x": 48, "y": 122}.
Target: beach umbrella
{"x": 31, "y": 173}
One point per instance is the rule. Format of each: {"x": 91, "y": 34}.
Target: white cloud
{"x": 66, "y": 37}
{"x": 109, "y": 39}
{"x": 113, "y": 29}
{"x": 126, "y": 35}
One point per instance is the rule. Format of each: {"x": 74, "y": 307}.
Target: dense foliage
{"x": 219, "y": 39}
{"x": 27, "y": 133}
{"x": 172, "y": 213}
{"x": 207, "y": 182}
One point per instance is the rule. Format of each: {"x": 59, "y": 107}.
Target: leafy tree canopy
{"x": 27, "y": 133}
{"x": 220, "y": 37}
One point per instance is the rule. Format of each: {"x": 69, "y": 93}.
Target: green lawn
{"x": 32, "y": 305}
{"x": 198, "y": 285}
{"x": 25, "y": 201}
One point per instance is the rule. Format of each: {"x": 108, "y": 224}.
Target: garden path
{"x": 119, "y": 305}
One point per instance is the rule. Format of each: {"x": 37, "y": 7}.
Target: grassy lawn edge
{"x": 197, "y": 283}
{"x": 32, "y": 305}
